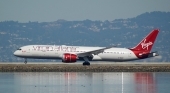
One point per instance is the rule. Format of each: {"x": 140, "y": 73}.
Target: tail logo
{"x": 146, "y": 45}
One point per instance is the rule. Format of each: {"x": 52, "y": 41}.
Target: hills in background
{"x": 125, "y": 32}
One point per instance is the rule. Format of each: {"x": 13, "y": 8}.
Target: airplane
{"x": 71, "y": 54}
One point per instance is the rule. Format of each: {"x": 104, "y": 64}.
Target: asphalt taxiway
{"x": 78, "y": 67}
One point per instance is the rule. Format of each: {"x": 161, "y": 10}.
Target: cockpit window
{"x": 19, "y": 49}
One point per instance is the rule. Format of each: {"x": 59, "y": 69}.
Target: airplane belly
{"x": 126, "y": 56}
{"x": 36, "y": 53}
{"x": 111, "y": 57}
{"x": 44, "y": 54}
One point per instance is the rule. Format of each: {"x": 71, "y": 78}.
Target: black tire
{"x": 25, "y": 62}
{"x": 86, "y": 64}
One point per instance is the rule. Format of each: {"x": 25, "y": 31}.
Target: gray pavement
{"x": 77, "y": 67}
{"x": 96, "y": 63}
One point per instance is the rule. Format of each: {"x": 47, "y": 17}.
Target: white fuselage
{"x": 70, "y": 54}
{"x": 56, "y": 52}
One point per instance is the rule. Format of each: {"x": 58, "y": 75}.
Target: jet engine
{"x": 69, "y": 58}
{"x": 153, "y": 54}
{"x": 147, "y": 55}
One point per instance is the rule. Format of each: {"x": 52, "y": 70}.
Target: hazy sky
{"x": 52, "y": 10}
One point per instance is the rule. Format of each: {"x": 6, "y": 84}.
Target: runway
{"x": 96, "y": 63}
{"x": 78, "y": 67}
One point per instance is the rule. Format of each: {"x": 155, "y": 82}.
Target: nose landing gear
{"x": 25, "y": 61}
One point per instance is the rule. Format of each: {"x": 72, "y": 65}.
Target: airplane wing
{"x": 94, "y": 52}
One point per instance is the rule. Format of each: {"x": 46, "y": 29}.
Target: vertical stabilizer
{"x": 147, "y": 43}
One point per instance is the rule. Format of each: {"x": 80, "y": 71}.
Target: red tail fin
{"x": 147, "y": 43}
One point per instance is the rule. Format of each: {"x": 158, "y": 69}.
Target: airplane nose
{"x": 15, "y": 53}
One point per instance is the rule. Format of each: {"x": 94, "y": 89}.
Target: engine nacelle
{"x": 153, "y": 54}
{"x": 147, "y": 55}
{"x": 69, "y": 58}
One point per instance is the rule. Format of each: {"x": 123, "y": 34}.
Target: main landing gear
{"x": 86, "y": 63}
{"x": 25, "y": 61}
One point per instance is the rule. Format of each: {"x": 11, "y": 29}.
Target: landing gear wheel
{"x": 25, "y": 61}
{"x": 86, "y": 64}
